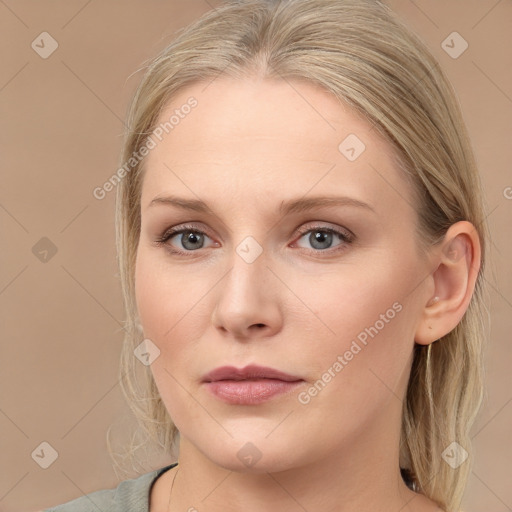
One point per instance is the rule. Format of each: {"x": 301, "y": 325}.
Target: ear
{"x": 457, "y": 262}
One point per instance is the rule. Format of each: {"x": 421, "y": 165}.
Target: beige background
{"x": 61, "y": 320}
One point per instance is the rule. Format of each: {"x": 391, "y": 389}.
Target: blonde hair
{"x": 359, "y": 51}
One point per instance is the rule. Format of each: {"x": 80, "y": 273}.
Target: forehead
{"x": 260, "y": 139}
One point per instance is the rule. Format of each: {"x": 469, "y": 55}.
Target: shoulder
{"x": 132, "y": 494}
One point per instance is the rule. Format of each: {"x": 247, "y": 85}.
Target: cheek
{"x": 364, "y": 316}
{"x": 173, "y": 307}
{"x": 168, "y": 306}
{"x": 150, "y": 299}
{"x": 162, "y": 296}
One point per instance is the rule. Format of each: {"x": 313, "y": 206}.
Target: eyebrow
{"x": 285, "y": 208}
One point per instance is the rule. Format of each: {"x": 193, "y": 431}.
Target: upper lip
{"x": 248, "y": 372}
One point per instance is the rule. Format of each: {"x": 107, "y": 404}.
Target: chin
{"x": 274, "y": 463}
{"x": 261, "y": 455}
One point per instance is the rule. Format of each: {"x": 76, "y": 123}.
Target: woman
{"x": 301, "y": 243}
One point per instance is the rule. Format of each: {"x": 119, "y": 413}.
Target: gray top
{"x": 129, "y": 496}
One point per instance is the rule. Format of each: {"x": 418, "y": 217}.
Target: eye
{"x": 321, "y": 238}
{"x": 189, "y": 238}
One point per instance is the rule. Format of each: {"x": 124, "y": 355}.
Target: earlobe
{"x": 456, "y": 269}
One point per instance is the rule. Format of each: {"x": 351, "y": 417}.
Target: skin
{"x": 247, "y": 146}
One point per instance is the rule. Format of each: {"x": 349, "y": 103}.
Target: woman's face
{"x": 260, "y": 278}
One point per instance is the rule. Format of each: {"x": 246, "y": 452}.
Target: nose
{"x": 247, "y": 300}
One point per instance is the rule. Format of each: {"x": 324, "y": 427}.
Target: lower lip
{"x": 250, "y": 392}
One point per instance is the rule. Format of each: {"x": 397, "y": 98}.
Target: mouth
{"x": 251, "y": 385}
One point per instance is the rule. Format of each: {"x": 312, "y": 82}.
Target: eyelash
{"x": 346, "y": 237}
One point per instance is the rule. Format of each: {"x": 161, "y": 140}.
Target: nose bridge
{"x": 248, "y": 270}
{"x": 245, "y": 298}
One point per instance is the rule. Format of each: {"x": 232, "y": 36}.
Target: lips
{"x": 251, "y": 372}
{"x": 251, "y": 385}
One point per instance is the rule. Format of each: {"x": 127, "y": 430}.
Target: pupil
{"x": 191, "y": 239}
{"x": 321, "y": 237}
